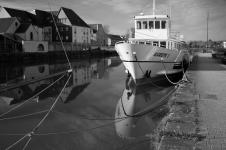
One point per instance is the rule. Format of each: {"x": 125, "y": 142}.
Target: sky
{"x": 189, "y": 17}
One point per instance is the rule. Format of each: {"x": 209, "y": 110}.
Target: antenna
{"x": 153, "y": 7}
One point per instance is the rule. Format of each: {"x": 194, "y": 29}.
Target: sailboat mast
{"x": 153, "y": 7}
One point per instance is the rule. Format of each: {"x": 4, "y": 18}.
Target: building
{"x": 81, "y": 31}
{"x": 112, "y": 39}
{"x": 9, "y": 43}
{"x": 26, "y": 26}
{"x": 9, "y": 25}
{"x": 100, "y": 38}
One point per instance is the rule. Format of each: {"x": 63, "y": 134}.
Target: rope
{"x": 22, "y": 116}
{"x": 25, "y": 146}
{"x": 146, "y": 76}
{"x": 42, "y": 120}
{"x": 51, "y": 108}
{"x": 147, "y": 110}
{"x": 58, "y": 33}
{"x": 81, "y": 130}
{"x": 32, "y": 96}
{"x": 15, "y": 143}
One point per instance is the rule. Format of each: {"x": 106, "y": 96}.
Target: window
{"x": 31, "y": 36}
{"x": 151, "y": 25}
{"x": 16, "y": 24}
{"x": 145, "y": 25}
{"x": 67, "y": 37}
{"x": 163, "y": 24}
{"x": 141, "y": 42}
{"x": 157, "y": 24}
{"x": 138, "y": 25}
{"x": 148, "y": 42}
{"x": 41, "y": 48}
{"x": 155, "y": 43}
{"x": 163, "y": 44}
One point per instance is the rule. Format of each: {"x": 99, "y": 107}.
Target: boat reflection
{"x": 30, "y": 80}
{"x": 140, "y": 109}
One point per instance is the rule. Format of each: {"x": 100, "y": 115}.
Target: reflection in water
{"x": 140, "y": 110}
{"x": 26, "y": 81}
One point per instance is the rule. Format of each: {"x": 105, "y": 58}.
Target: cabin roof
{"x": 74, "y": 18}
{"x": 5, "y": 23}
{"x": 151, "y": 17}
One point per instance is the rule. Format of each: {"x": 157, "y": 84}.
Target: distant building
{"x": 112, "y": 39}
{"x": 224, "y": 44}
{"x": 99, "y": 37}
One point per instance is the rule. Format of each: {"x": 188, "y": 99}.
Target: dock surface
{"x": 197, "y": 115}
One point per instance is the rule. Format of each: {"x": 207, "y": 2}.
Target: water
{"x": 97, "y": 110}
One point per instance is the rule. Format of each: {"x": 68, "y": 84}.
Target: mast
{"x": 153, "y": 7}
{"x": 207, "y": 30}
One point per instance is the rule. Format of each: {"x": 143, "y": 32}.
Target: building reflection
{"x": 139, "y": 110}
{"x": 40, "y": 76}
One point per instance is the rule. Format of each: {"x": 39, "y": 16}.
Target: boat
{"x": 155, "y": 51}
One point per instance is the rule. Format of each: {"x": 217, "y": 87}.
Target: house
{"x": 81, "y": 31}
{"x": 100, "y": 38}
{"x": 112, "y": 39}
{"x": 9, "y": 25}
{"x": 27, "y": 28}
{"x": 9, "y": 43}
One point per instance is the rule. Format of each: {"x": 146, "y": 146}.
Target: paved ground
{"x": 198, "y": 115}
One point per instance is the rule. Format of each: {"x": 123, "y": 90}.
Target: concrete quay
{"x": 197, "y": 115}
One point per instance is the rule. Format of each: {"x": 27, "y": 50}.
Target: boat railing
{"x": 120, "y": 42}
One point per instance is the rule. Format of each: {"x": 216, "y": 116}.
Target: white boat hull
{"x": 146, "y": 61}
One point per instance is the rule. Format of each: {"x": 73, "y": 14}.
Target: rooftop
{"x": 5, "y": 23}
{"x": 23, "y": 28}
{"x": 151, "y": 16}
{"x": 74, "y": 18}
{"x": 21, "y": 15}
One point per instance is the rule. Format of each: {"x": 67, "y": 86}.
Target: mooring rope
{"x": 22, "y": 116}
{"x": 58, "y": 33}
{"x": 147, "y": 110}
{"x": 149, "y": 79}
{"x": 31, "y": 133}
{"x": 34, "y": 96}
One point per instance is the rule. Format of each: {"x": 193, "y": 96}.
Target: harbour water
{"x": 101, "y": 108}
{"x": 89, "y": 112}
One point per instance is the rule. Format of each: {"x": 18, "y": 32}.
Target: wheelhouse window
{"x": 155, "y": 43}
{"x": 141, "y": 42}
{"x": 148, "y": 42}
{"x": 163, "y": 44}
{"x": 163, "y": 24}
{"x": 157, "y": 24}
{"x": 138, "y": 25}
{"x": 151, "y": 25}
{"x": 145, "y": 24}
